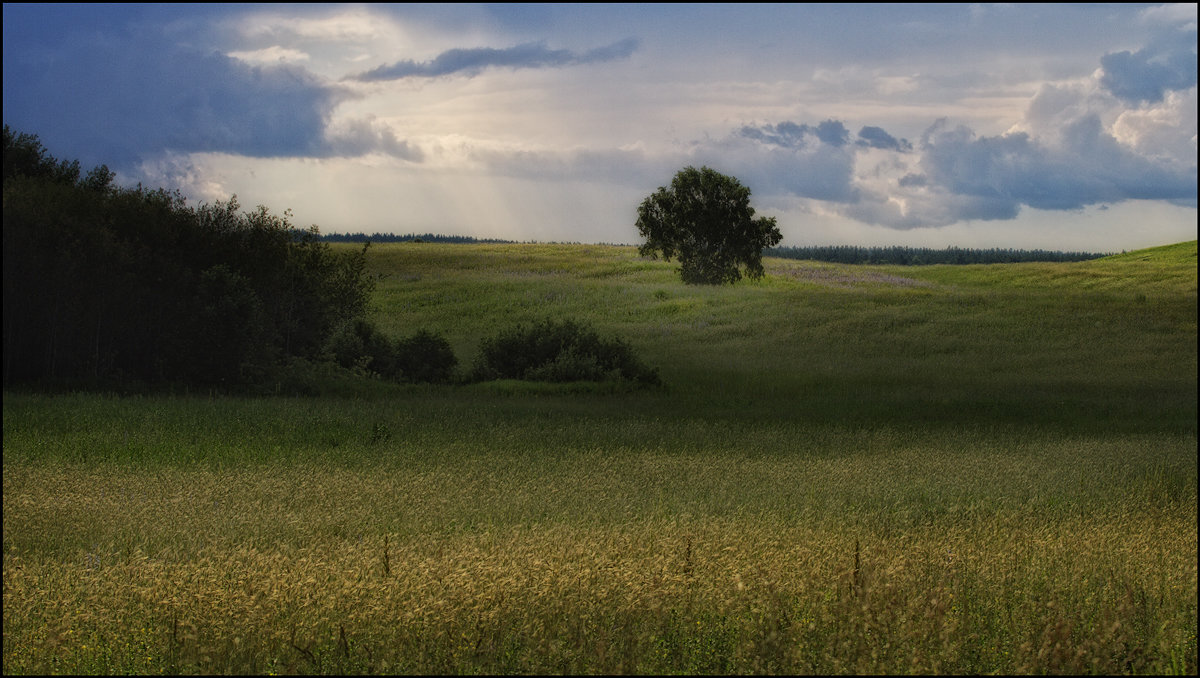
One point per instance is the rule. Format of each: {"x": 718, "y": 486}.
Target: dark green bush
{"x": 425, "y": 356}
{"x": 233, "y": 332}
{"x": 559, "y": 351}
{"x": 359, "y": 344}
{"x": 346, "y": 345}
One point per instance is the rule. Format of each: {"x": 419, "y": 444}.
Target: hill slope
{"x": 1103, "y": 342}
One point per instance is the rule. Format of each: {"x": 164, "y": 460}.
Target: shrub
{"x": 426, "y": 357}
{"x": 230, "y": 313}
{"x": 560, "y": 351}
{"x": 360, "y": 344}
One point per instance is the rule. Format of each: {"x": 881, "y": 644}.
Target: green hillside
{"x": 1181, "y": 254}
{"x": 1107, "y": 342}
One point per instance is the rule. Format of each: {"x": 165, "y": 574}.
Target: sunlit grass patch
{"x": 681, "y": 595}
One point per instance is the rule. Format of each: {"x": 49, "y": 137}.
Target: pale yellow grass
{"x": 144, "y": 572}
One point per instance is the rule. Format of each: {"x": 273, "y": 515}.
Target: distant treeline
{"x": 917, "y": 256}
{"x": 837, "y": 254}
{"x": 412, "y": 237}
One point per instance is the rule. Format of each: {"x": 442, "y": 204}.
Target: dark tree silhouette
{"x": 705, "y": 219}
{"x": 105, "y": 284}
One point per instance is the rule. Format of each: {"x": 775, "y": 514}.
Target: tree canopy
{"x": 104, "y": 284}
{"x": 705, "y": 219}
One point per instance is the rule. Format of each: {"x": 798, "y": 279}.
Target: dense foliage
{"x": 106, "y": 284}
{"x": 918, "y": 256}
{"x": 425, "y": 356}
{"x": 422, "y": 357}
{"x": 706, "y": 220}
{"x": 560, "y": 351}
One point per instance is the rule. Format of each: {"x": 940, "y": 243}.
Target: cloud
{"x": 121, "y": 102}
{"x": 354, "y": 25}
{"x": 271, "y": 55}
{"x": 181, "y": 172}
{"x": 963, "y": 176}
{"x": 792, "y": 135}
{"x": 625, "y": 166}
{"x": 1181, "y": 16}
{"x": 809, "y": 161}
{"x": 473, "y": 61}
{"x": 954, "y": 174}
{"x": 1166, "y": 132}
{"x": 1147, "y": 75}
{"x": 356, "y": 137}
{"x": 1128, "y": 134}
{"x": 877, "y": 137}
{"x": 1167, "y": 63}
{"x": 788, "y": 158}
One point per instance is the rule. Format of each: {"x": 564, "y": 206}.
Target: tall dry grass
{"x": 175, "y": 584}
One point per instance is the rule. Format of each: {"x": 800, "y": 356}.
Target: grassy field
{"x": 950, "y": 469}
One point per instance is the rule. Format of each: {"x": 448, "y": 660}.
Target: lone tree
{"x": 706, "y": 220}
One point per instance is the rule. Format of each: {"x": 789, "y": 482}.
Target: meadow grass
{"x": 851, "y": 469}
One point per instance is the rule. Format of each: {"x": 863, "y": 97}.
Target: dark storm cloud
{"x": 471, "y": 62}
{"x": 115, "y": 101}
{"x": 953, "y": 173}
{"x": 877, "y": 137}
{"x": 791, "y": 135}
{"x": 1007, "y": 171}
{"x": 785, "y": 134}
{"x": 1147, "y": 75}
{"x": 1167, "y": 62}
{"x": 833, "y": 133}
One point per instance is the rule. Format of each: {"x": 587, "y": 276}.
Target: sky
{"x": 1066, "y": 127}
